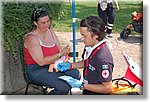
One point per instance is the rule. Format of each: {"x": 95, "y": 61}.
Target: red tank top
{"x": 47, "y": 51}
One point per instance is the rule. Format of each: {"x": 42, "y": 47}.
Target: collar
{"x": 98, "y": 44}
{"x": 90, "y": 49}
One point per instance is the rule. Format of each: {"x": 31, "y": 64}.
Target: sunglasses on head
{"x": 38, "y": 12}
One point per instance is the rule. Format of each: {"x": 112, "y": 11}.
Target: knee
{"x": 111, "y": 19}
{"x": 73, "y": 73}
{"x": 77, "y": 74}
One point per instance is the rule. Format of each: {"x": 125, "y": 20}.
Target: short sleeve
{"x": 105, "y": 70}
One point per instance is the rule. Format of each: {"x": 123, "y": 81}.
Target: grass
{"x": 84, "y": 9}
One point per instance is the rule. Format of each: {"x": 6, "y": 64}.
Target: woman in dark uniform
{"x": 97, "y": 59}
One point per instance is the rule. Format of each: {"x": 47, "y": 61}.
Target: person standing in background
{"x": 106, "y": 13}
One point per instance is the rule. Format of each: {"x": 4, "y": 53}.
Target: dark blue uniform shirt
{"x": 100, "y": 68}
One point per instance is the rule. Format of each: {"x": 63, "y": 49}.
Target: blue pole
{"x": 74, "y": 30}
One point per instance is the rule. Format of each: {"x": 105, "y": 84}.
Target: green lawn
{"x": 84, "y": 9}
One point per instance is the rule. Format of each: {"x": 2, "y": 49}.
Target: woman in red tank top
{"x": 42, "y": 48}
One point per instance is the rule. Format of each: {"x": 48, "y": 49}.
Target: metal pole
{"x": 74, "y": 30}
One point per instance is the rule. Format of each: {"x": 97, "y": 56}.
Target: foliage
{"x": 86, "y": 8}
{"x": 16, "y": 18}
{"x": 17, "y": 21}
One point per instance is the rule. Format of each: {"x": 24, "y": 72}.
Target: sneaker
{"x": 110, "y": 35}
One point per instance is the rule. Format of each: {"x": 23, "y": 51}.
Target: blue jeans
{"x": 40, "y": 75}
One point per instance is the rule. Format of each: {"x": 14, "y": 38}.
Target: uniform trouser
{"x": 40, "y": 75}
{"x": 107, "y": 16}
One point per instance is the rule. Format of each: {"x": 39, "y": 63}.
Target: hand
{"x": 63, "y": 66}
{"x": 74, "y": 83}
{"x": 65, "y": 51}
{"x": 118, "y": 8}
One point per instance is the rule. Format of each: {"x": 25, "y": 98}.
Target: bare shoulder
{"x": 30, "y": 37}
{"x": 31, "y": 40}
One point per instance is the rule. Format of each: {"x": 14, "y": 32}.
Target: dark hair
{"x": 38, "y": 13}
{"x": 95, "y": 25}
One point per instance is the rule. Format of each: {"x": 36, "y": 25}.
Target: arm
{"x": 78, "y": 65}
{"x": 68, "y": 66}
{"x": 98, "y": 1}
{"x": 33, "y": 45}
{"x": 104, "y": 76}
{"x": 116, "y": 2}
{"x": 105, "y": 87}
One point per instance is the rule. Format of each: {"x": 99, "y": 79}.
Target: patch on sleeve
{"x": 104, "y": 66}
{"x": 105, "y": 73}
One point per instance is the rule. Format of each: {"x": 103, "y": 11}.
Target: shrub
{"x": 17, "y": 21}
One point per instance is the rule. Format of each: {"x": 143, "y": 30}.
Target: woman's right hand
{"x": 65, "y": 51}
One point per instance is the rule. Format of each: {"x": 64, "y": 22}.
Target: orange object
{"x": 129, "y": 26}
{"x": 123, "y": 89}
{"x": 54, "y": 65}
{"x": 122, "y": 86}
{"x": 137, "y": 16}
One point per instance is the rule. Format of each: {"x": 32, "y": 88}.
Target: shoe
{"x": 110, "y": 35}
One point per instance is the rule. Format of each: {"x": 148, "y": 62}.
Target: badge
{"x": 105, "y": 73}
{"x": 105, "y": 66}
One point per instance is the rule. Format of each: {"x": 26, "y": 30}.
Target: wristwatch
{"x": 82, "y": 86}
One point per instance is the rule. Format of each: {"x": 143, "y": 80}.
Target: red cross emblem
{"x": 105, "y": 73}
